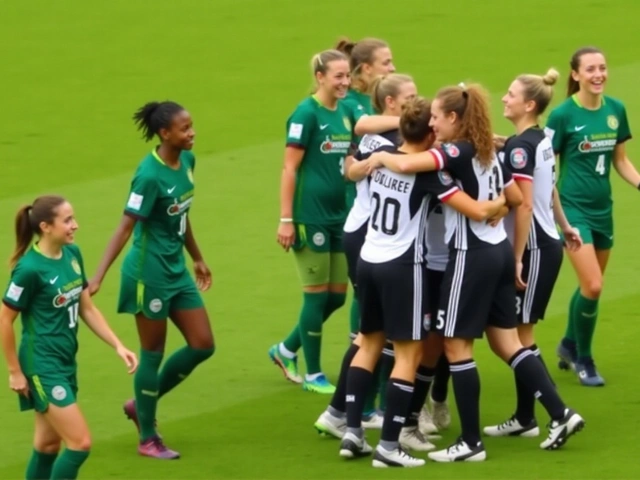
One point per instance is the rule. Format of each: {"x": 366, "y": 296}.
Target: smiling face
{"x": 180, "y": 133}
{"x": 515, "y": 105}
{"x": 591, "y": 73}
{"x": 444, "y": 125}
{"x": 336, "y": 79}
{"x": 61, "y": 230}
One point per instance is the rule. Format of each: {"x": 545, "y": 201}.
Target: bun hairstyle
{"x": 414, "y": 120}
{"x": 360, "y": 53}
{"x": 387, "y": 86}
{"x": 539, "y": 88}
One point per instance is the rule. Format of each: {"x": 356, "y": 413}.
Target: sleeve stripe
{"x": 520, "y": 176}
{"x": 440, "y": 158}
{"x": 508, "y": 183}
{"x": 296, "y": 145}
{"x": 448, "y": 194}
{"x": 11, "y": 306}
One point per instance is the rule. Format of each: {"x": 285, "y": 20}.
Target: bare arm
{"x": 8, "y": 338}
{"x": 524, "y": 215}
{"x": 292, "y": 160}
{"x": 558, "y": 212}
{"x": 513, "y": 194}
{"x": 191, "y": 245}
{"x": 473, "y": 209}
{"x": 358, "y": 170}
{"x": 376, "y": 124}
{"x": 624, "y": 167}
{"x": 411, "y": 163}
{"x": 115, "y": 246}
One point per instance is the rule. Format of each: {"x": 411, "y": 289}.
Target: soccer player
{"x": 312, "y": 213}
{"x": 155, "y": 283}
{"x": 389, "y": 94}
{"x": 529, "y": 157}
{"x": 478, "y": 290}
{"x": 588, "y": 130}
{"x": 391, "y": 285}
{"x": 48, "y": 288}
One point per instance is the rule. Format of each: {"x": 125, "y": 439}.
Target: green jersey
{"x": 585, "y": 140}
{"x": 326, "y": 138}
{"x": 360, "y": 104}
{"x": 160, "y": 198}
{"x": 47, "y": 292}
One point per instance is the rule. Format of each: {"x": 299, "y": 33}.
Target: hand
{"x": 572, "y": 238}
{"x": 129, "y": 358}
{"x": 18, "y": 383}
{"x": 94, "y": 286}
{"x": 376, "y": 160}
{"x": 495, "y": 220}
{"x": 286, "y": 235}
{"x": 203, "y": 275}
{"x": 520, "y": 284}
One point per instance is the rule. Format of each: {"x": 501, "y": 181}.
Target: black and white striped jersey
{"x": 360, "y": 211}
{"x": 529, "y": 157}
{"x": 398, "y": 201}
{"x": 437, "y": 254}
{"x": 480, "y": 183}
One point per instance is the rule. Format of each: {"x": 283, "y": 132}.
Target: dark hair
{"x": 572, "y": 85}
{"x": 414, "y": 120}
{"x": 154, "y": 116}
{"x": 28, "y": 220}
{"x": 360, "y": 53}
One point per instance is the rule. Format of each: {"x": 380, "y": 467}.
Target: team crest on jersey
{"x": 426, "y": 321}
{"x": 445, "y": 178}
{"x": 190, "y": 175}
{"x": 347, "y": 123}
{"x": 318, "y": 239}
{"x": 451, "y": 150}
{"x": 612, "y": 121}
{"x": 76, "y": 266}
{"x": 155, "y": 305}
{"x": 59, "y": 393}
{"x": 518, "y": 158}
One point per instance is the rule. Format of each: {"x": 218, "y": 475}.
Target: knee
{"x": 592, "y": 288}
{"x": 48, "y": 446}
{"x": 82, "y": 443}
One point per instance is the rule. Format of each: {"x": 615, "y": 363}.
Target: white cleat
{"x": 440, "y": 414}
{"x": 561, "y": 430}
{"x": 374, "y": 422}
{"x": 460, "y": 452}
{"x": 427, "y": 426}
{"x": 354, "y": 447}
{"x": 411, "y": 438}
{"x": 383, "y": 458}
{"x": 330, "y": 425}
{"x": 513, "y": 428}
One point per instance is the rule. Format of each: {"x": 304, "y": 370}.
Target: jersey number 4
{"x": 386, "y": 214}
{"x": 600, "y": 165}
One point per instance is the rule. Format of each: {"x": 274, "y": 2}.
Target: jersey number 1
{"x": 73, "y": 315}
{"x": 183, "y": 224}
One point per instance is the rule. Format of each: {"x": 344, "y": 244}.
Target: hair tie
{"x": 465, "y": 94}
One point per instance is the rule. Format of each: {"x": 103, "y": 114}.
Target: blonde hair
{"x": 360, "y": 53}
{"x": 387, "y": 86}
{"x": 320, "y": 64}
{"x": 539, "y": 88}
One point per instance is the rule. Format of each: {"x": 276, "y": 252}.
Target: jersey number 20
{"x": 390, "y": 208}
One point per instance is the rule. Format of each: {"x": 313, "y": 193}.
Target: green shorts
{"x": 321, "y": 268}
{"x": 59, "y": 390}
{"x": 595, "y": 231}
{"x": 319, "y": 238}
{"x": 155, "y": 303}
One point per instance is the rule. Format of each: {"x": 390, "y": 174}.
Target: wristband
{"x": 286, "y": 220}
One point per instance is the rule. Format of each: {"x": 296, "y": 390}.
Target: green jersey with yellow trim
{"x": 46, "y": 292}
{"x": 160, "y": 198}
{"x": 585, "y": 141}
{"x": 360, "y": 104}
{"x": 326, "y": 137}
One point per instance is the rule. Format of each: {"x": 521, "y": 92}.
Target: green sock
{"x": 334, "y": 302}
{"x": 570, "y": 334}
{"x": 354, "y": 317}
{"x": 40, "y": 464}
{"x": 585, "y": 324}
{"x": 145, "y": 386}
{"x": 386, "y": 366}
{"x": 68, "y": 464}
{"x": 311, "y": 318}
{"x": 178, "y": 367}
{"x": 293, "y": 343}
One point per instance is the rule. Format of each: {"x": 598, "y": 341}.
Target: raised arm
{"x": 376, "y": 124}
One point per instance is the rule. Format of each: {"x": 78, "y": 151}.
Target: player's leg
{"x": 46, "y": 446}
{"x": 432, "y": 352}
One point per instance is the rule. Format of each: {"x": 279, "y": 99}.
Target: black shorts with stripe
{"x": 434, "y": 284}
{"x": 391, "y": 296}
{"x": 478, "y": 291}
{"x": 352, "y": 242}
{"x": 540, "y": 269}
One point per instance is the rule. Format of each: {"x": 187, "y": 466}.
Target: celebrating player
{"x": 313, "y": 211}
{"x": 528, "y": 155}
{"x": 48, "y": 289}
{"x": 155, "y": 283}
{"x": 588, "y": 131}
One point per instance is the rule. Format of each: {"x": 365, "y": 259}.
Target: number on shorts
{"x": 183, "y": 224}
{"x": 440, "y": 320}
{"x": 494, "y": 183}
{"x": 600, "y": 168}
{"x": 518, "y": 305}
{"x": 73, "y": 315}
{"x": 390, "y": 214}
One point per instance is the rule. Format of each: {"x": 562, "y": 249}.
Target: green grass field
{"x": 74, "y": 72}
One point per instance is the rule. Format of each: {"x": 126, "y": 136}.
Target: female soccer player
{"x": 313, "y": 210}
{"x": 48, "y": 289}
{"x": 391, "y": 284}
{"x": 588, "y": 131}
{"x": 478, "y": 290}
{"x": 529, "y": 157}
{"x": 155, "y": 283}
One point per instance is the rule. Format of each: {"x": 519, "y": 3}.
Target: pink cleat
{"x": 130, "y": 411}
{"x": 154, "y": 448}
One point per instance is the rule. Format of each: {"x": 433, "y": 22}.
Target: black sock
{"x": 441, "y": 380}
{"x": 338, "y": 400}
{"x": 531, "y": 372}
{"x": 536, "y": 351}
{"x": 424, "y": 377}
{"x": 399, "y": 395}
{"x": 387, "y": 361}
{"x": 466, "y": 387}
{"x": 525, "y": 411}
{"x": 358, "y": 381}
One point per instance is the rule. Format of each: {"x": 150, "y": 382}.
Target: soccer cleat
{"x": 289, "y": 366}
{"x": 131, "y": 413}
{"x": 440, "y": 414}
{"x": 513, "y": 428}
{"x": 332, "y": 426}
{"x": 561, "y": 430}
{"x": 154, "y": 448}
{"x": 427, "y": 426}
{"x": 320, "y": 384}
{"x": 383, "y": 458}
{"x": 372, "y": 421}
{"x": 460, "y": 452}
{"x": 588, "y": 374}
{"x": 354, "y": 447}
{"x": 411, "y": 438}
{"x": 567, "y": 357}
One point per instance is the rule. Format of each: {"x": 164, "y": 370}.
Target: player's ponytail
{"x": 573, "y": 86}
{"x": 28, "y": 220}
{"x": 360, "y": 53}
{"x": 154, "y": 116}
{"x": 539, "y": 88}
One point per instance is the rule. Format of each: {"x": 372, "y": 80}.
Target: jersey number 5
{"x": 73, "y": 315}
{"x": 390, "y": 210}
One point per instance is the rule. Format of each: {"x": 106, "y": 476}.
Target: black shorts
{"x": 540, "y": 269}
{"x": 391, "y": 299}
{"x": 478, "y": 291}
{"x": 434, "y": 282}
{"x": 352, "y": 242}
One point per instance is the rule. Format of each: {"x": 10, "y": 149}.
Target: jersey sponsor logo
{"x": 445, "y": 178}
{"x": 14, "y": 292}
{"x": 295, "y": 130}
{"x": 63, "y": 299}
{"x": 76, "y": 266}
{"x": 190, "y": 175}
{"x": 451, "y": 150}
{"x": 426, "y": 321}
{"x": 578, "y": 128}
{"x": 59, "y": 393}
{"x": 135, "y": 201}
{"x": 319, "y": 239}
{"x": 155, "y": 305}
{"x": 590, "y": 146}
{"x": 347, "y": 123}
{"x": 612, "y": 122}
{"x": 518, "y": 158}
{"x": 549, "y": 132}
{"x": 336, "y": 144}
{"x": 179, "y": 208}
{"x": 53, "y": 280}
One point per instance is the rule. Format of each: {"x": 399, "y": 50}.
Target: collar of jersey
{"x": 320, "y": 104}
{"x": 574, "y": 97}
{"x": 36, "y": 248}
